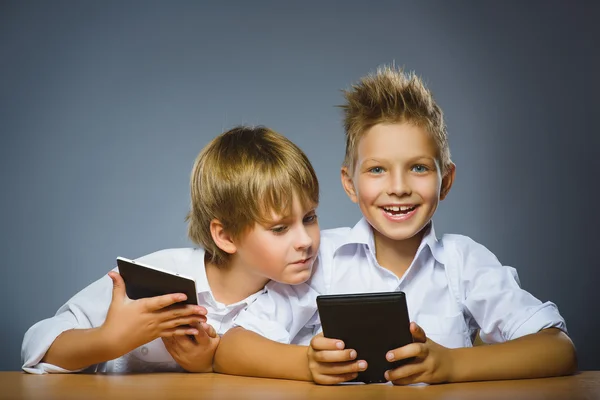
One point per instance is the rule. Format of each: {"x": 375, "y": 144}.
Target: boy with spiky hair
{"x": 254, "y": 195}
{"x": 397, "y": 168}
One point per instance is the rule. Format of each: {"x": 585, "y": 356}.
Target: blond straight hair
{"x": 240, "y": 178}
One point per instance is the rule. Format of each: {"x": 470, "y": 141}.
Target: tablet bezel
{"x": 143, "y": 280}
{"x": 370, "y": 323}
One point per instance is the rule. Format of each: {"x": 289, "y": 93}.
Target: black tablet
{"x": 142, "y": 280}
{"x": 370, "y": 323}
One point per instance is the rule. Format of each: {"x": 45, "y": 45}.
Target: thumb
{"x": 418, "y": 333}
{"x": 118, "y": 292}
{"x": 209, "y": 329}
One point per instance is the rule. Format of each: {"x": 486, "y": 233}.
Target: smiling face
{"x": 397, "y": 180}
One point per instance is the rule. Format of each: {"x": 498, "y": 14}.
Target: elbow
{"x": 568, "y": 355}
{"x": 572, "y": 365}
{"x": 221, "y": 360}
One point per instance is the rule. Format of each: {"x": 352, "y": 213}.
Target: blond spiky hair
{"x": 392, "y": 96}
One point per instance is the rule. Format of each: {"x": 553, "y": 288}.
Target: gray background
{"x": 104, "y": 106}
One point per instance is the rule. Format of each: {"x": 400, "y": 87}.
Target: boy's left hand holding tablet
{"x": 432, "y": 362}
{"x": 194, "y": 353}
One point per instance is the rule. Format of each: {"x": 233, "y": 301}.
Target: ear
{"x": 447, "y": 181}
{"x": 348, "y": 184}
{"x": 221, "y": 237}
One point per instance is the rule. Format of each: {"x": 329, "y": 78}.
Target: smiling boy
{"x": 397, "y": 168}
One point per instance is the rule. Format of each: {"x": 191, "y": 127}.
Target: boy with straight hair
{"x": 253, "y": 200}
{"x": 397, "y": 168}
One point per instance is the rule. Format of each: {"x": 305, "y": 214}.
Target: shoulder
{"x": 173, "y": 258}
{"x": 332, "y": 239}
{"x": 335, "y": 233}
{"x": 464, "y": 250}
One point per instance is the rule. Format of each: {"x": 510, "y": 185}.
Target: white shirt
{"x": 453, "y": 287}
{"x": 88, "y": 308}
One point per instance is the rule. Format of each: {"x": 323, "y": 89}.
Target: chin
{"x": 297, "y": 278}
{"x": 398, "y": 234}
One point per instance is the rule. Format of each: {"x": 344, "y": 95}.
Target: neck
{"x": 396, "y": 255}
{"x": 231, "y": 283}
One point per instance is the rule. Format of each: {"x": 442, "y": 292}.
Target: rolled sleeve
{"x": 495, "y": 299}
{"x": 87, "y": 309}
{"x": 283, "y": 313}
{"x": 542, "y": 317}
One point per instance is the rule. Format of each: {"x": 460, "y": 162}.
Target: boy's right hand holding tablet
{"x": 128, "y": 325}
{"x": 330, "y": 363}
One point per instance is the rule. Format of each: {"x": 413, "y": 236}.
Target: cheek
{"x": 315, "y": 234}
{"x": 428, "y": 189}
{"x": 368, "y": 189}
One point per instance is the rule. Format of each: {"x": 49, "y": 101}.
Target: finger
{"x": 410, "y": 350}
{"x": 118, "y": 291}
{"x": 186, "y": 309}
{"x": 320, "y": 342}
{"x": 179, "y": 331}
{"x": 341, "y": 368}
{"x": 180, "y": 322}
{"x": 160, "y": 302}
{"x": 404, "y": 372}
{"x": 208, "y": 328}
{"x": 179, "y": 310}
{"x": 418, "y": 333}
{"x": 329, "y": 356}
{"x": 333, "y": 379}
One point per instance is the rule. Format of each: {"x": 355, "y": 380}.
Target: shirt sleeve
{"x": 87, "y": 309}
{"x": 494, "y": 298}
{"x": 284, "y": 313}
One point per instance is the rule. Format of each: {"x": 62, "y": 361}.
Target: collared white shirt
{"x": 88, "y": 308}
{"x": 453, "y": 287}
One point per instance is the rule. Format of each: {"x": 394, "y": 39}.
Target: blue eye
{"x": 419, "y": 168}
{"x": 376, "y": 170}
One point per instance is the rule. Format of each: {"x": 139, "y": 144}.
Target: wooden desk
{"x": 17, "y": 385}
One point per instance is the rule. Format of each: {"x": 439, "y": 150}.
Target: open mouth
{"x": 399, "y": 210}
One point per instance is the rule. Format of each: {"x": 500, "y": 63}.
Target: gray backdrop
{"x": 104, "y": 106}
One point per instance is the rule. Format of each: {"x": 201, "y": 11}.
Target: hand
{"x": 432, "y": 363}
{"x": 330, "y": 363}
{"x": 194, "y": 353}
{"x": 132, "y": 323}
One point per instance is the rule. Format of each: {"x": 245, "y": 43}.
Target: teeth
{"x": 396, "y": 208}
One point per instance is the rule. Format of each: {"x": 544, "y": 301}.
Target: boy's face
{"x": 397, "y": 179}
{"x": 283, "y": 250}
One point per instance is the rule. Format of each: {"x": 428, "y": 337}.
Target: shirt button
{"x": 145, "y": 351}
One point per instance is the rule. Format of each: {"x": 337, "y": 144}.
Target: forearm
{"x": 243, "y": 352}
{"x": 543, "y": 354}
{"x": 79, "y": 348}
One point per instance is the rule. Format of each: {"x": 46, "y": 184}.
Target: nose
{"x": 303, "y": 240}
{"x": 398, "y": 185}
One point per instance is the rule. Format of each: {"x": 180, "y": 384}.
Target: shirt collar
{"x": 202, "y": 285}
{"x": 198, "y": 270}
{"x": 362, "y": 233}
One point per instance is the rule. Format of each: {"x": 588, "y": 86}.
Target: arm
{"x": 527, "y": 337}
{"x": 243, "y": 352}
{"x": 77, "y": 349}
{"x": 543, "y": 354}
{"x": 128, "y": 324}
{"x": 549, "y": 352}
